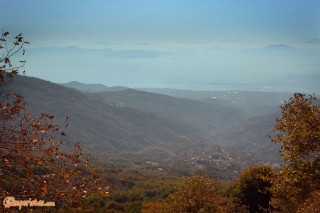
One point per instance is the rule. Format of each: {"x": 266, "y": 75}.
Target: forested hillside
{"x": 133, "y": 120}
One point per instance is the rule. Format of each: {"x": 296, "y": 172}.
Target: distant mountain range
{"x": 91, "y": 88}
{"x": 99, "y": 125}
{"x": 110, "y": 120}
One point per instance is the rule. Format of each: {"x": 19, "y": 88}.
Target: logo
{"x": 12, "y": 202}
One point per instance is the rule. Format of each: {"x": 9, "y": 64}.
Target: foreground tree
{"x": 197, "y": 194}
{"x": 298, "y": 131}
{"x": 252, "y": 186}
{"x": 32, "y": 163}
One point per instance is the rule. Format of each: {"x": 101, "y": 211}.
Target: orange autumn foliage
{"x": 33, "y": 163}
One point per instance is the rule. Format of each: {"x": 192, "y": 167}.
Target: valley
{"x": 145, "y": 142}
{"x": 179, "y": 129}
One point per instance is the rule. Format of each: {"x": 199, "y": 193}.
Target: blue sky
{"x": 191, "y": 44}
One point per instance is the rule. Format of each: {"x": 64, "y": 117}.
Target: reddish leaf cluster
{"x": 33, "y": 163}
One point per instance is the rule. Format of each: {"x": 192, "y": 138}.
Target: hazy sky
{"x": 195, "y": 44}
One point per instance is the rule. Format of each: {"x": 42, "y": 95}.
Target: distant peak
{"x": 280, "y": 47}
{"x": 77, "y": 82}
{"x": 92, "y": 88}
{"x": 73, "y": 82}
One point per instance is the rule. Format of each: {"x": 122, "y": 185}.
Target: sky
{"x": 186, "y": 44}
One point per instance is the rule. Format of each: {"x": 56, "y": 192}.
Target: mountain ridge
{"x": 131, "y": 120}
{"x": 102, "y": 126}
{"x": 91, "y": 88}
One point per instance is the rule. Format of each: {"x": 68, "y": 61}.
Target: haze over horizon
{"x": 266, "y": 45}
